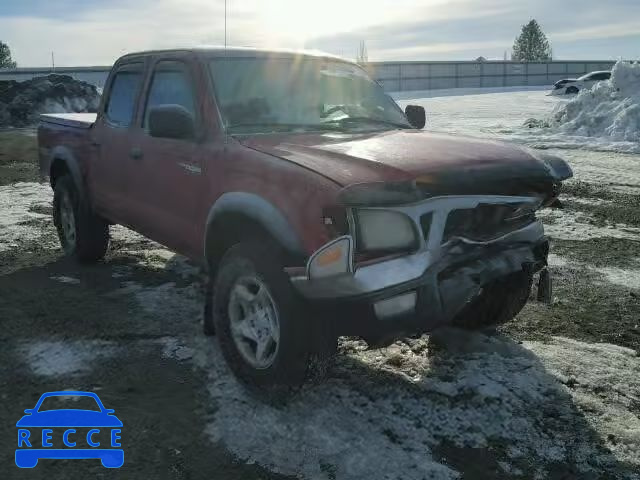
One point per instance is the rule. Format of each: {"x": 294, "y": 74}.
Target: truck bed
{"x": 77, "y": 120}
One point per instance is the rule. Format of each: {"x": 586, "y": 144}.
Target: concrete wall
{"x": 401, "y": 76}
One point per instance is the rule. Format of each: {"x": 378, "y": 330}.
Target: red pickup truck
{"x": 318, "y": 207}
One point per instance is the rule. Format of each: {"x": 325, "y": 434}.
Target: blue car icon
{"x": 43, "y": 420}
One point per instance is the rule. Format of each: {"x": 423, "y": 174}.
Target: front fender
{"x": 63, "y": 156}
{"x": 259, "y": 210}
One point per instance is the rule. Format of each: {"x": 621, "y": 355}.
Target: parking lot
{"x": 553, "y": 394}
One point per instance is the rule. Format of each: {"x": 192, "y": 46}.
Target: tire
{"x": 498, "y": 303}
{"x": 251, "y": 284}
{"x": 82, "y": 234}
{"x": 572, "y": 90}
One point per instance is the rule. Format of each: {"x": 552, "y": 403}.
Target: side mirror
{"x": 29, "y": 411}
{"x": 109, "y": 411}
{"x": 171, "y": 121}
{"x": 416, "y": 116}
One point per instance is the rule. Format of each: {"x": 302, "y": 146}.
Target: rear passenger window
{"x": 124, "y": 91}
{"x": 170, "y": 85}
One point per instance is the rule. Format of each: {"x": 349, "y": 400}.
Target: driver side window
{"x": 170, "y": 85}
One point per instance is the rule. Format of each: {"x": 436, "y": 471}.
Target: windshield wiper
{"x": 347, "y": 120}
{"x": 285, "y": 127}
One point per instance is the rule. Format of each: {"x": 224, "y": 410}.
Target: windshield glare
{"x": 256, "y": 94}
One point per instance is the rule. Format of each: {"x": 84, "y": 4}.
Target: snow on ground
{"x": 565, "y": 225}
{"x": 626, "y": 277}
{"x": 59, "y": 358}
{"x": 394, "y": 407}
{"x": 65, "y": 279}
{"x": 21, "y": 205}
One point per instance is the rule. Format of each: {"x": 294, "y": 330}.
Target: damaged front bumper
{"x": 431, "y": 285}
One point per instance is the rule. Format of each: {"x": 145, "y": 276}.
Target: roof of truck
{"x": 220, "y": 51}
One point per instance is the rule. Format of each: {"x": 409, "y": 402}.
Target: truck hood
{"x": 438, "y": 163}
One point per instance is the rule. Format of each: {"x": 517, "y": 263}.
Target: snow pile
{"x": 22, "y": 102}
{"x": 609, "y": 109}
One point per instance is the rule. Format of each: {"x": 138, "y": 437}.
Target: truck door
{"x": 110, "y": 141}
{"x": 165, "y": 174}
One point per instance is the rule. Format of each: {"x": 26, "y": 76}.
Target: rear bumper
{"x": 415, "y": 293}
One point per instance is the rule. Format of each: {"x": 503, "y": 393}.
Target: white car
{"x": 574, "y": 85}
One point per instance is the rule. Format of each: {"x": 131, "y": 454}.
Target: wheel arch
{"x": 63, "y": 162}
{"x": 240, "y": 215}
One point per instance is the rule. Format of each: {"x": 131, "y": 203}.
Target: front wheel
{"x": 267, "y": 338}
{"x": 572, "y": 90}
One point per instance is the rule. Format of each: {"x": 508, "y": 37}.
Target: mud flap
{"x": 545, "y": 287}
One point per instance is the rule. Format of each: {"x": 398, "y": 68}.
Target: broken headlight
{"x": 384, "y": 231}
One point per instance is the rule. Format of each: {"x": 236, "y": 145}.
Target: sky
{"x": 90, "y": 32}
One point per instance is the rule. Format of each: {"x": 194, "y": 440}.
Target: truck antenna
{"x": 226, "y": 135}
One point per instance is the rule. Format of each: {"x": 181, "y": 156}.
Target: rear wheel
{"x": 82, "y": 234}
{"x": 268, "y": 339}
{"x": 498, "y": 302}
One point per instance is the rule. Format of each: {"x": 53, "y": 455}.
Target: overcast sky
{"x": 89, "y": 32}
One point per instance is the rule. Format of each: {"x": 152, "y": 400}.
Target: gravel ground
{"x": 554, "y": 394}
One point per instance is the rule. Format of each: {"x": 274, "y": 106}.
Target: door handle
{"x": 136, "y": 153}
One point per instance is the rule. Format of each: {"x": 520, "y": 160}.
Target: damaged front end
{"x": 413, "y": 255}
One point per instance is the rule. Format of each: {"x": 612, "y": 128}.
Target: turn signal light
{"x": 332, "y": 259}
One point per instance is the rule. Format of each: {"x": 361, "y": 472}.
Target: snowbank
{"x": 610, "y": 109}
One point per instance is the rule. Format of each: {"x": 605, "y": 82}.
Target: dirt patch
{"x": 617, "y": 207}
{"x": 585, "y": 307}
{"x": 600, "y": 251}
{"x": 18, "y": 157}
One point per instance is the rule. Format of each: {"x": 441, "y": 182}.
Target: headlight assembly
{"x": 384, "y": 231}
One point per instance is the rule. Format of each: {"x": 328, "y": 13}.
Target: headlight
{"x": 384, "y": 230}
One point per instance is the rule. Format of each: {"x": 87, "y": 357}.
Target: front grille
{"x": 425, "y": 225}
{"x": 485, "y": 222}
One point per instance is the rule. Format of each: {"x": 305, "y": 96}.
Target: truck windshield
{"x": 259, "y": 95}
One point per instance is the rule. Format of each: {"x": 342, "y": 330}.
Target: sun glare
{"x": 302, "y": 20}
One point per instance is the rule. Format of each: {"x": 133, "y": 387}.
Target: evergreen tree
{"x": 5, "y": 56}
{"x": 531, "y": 45}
